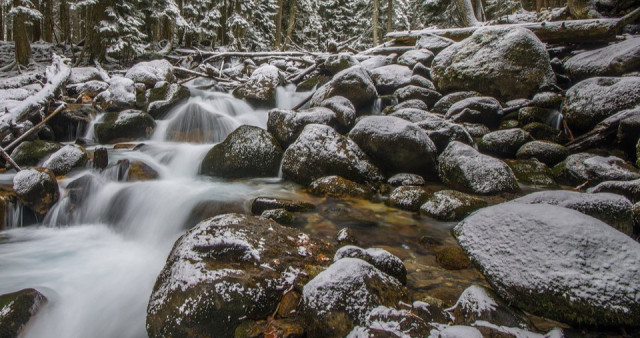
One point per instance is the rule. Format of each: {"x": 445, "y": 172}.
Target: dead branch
{"x": 601, "y": 132}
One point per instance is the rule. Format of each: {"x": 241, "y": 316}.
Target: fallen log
{"x": 602, "y": 131}
{"x": 215, "y": 56}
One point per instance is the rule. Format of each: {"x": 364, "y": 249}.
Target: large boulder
{"x": 17, "y": 309}
{"x": 247, "y": 152}
{"x": 164, "y": 97}
{"x": 340, "y": 297}
{"x": 151, "y": 72}
{"x": 30, "y": 153}
{"x": 389, "y": 78}
{"x": 120, "y": 95}
{"x": 260, "y": 90}
{"x": 504, "y": 143}
{"x": 396, "y": 145}
{"x": 508, "y": 63}
{"x": 412, "y": 57}
{"x": 485, "y": 110}
{"x": 571, "y": 267}
{"x": 124, "y": 126}
{"x": 353, "y": 83}
{"x": 464, "y": 168}
{"x": 336, "y": 63}
{"x": 66, "y": 159}
{"x": 320, "y": 151}
{"x": 37, "y": 189}
{"x": 226, "y": 270}
{"x": 593, "y": 100}
{"x": 286, "y": 125}
{"x": 614, "y": 60}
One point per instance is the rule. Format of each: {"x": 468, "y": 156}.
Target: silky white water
{"x": 98, "y": 252}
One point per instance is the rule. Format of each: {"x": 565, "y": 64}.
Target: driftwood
{"x": 601, "y": 133}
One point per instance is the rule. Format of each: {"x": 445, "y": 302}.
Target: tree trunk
{"x": 376, "y": 15}
{"x": 1, "y": 21}
{"x": 279, "y": 24}
{"x": 224, "y": 39}
{"x": 47, "y": 28}
{"x": 478, "y": 8}
{"x": 390, "y": 16}
{"x": 292, "y": 23}
{"x": 465, "y": 11}
{"x": 582, "y": 9}
{"x": 21, "y": 38}
{"x": 93, "y": 40}
{"x": 65, "y": 25}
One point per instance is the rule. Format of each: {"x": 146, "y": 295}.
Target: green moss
{"x": 312, "y": 82}
{"x": 112, "y": 130}
{"x": 30, "y": 153}
{"x": 532, "y": 172}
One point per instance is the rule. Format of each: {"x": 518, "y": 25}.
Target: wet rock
{"x": 346, "y": 236}
{"x": 312, "y": 82}
{"x": 66, "y": 159}
{"x": 612, "y": 209}
{"x": 546, "y": 152}
{"x": 215, "y": 276}
{"x": 532, "y": 172}
{"x": 124, "y": 126}
{"x": 396, "y": 145}
{"x": 422, "y": 81}
{"x": 509, "y": 124}
{"x": 413, "y": 104}
{"x": 485, "y": 110}
{"x": 134, "y": 171}
{"x": 380, "y": 258}
{"x": 344, "y": 110}
{"x": 528, "y": 115}
{"x": 600, "y": 169}
{"x": 281, "y": 216}
{"x": 442, "y": 132}
{"x": 388, "y": 79}
{"x": 164, "y": 97}
{"x": 17, "y": 309}
{"x": 151, "y": 72}
{"x": 411, "y": 92}
{"x": 320, "y": 151}
{"x": 464, "y": 168}
{"x": 593, "y": 100}
{"x": 260, "y": 90}
{"x": 412, "y": 115}
{"x": 451, "y": 205}
{"x": 212, "y": 208}
{"x": 504, "y": 143}
{"x": 476, "y": 130}
{"x": 407, "y": 198}
{"x": 549, "y": 244}
{"x": 479, "y": 304}
{"x": 37, "y": 189}
{"x": 261, "y": 204}
{"x": 434, "y": 43}
{"x": 336, "y": 63}
{"x": 629, "y": 189}
{"x": 629, "y": 135}
{"x": 405, "y": 179}
{"x": 388, "y": 322}
{"x": 412, "y": 57}
{"x": 549, "y": 100}
{"x": 72, "y": 121}
{"x": 337, "y": 186}
{"x": 443, "y": 105}
{"x": 30, "y": 153}
{"x": 377, "y": 61}
{"x": 353, "y": 83}
{"x": 286, "y": 125}
{"x": 545, "y": 132}
{"x": 452, "y": 258}
{"x": 100, "y": 158}
{"x": 422, "y": 70}
{"x": 120, "y": 95}
{"x": 80, "y": 189}
{"x": 247, "y": 152}
{"x": 504, "y": 63}
{"x": 340, "y": 297}
{"x": 614, "y": 60}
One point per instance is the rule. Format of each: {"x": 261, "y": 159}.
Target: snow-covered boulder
{"x": 451, "y": 205}
{"x": 341, "y": 187}
{"x": 37, "y": 189}
{"x": 120, "y": 95}
{"x": 66, "y": 159}
{"x": 336, "y": 63}
{"x": 389, "y": 78}
{"x": 163, "y": 97}
{"x": 286, "y": 125}
{"x": 412, "y": 92}
{"x": 544, "y": 151}
{"x": 483, "y": 109}
{"x": 260, "y": 204}
{"x": 340, "y": 297}
{"x": 247, "y": 152}
{"x": 504, "y": 143}
{"x": 260, "y": 90}
{"x": 151, "y": 72}
{"x": 320, "y": 151}
{"x": 477, "y": 303}
{"x": 407, "y": 198}
{"x": 579, "y": 168}
{"x": 353, "y": 83}
{"x": 442, "y": 132}
{"x": 629, "y": 189}
{"x": 380, "y": 258}
{"x": 377, "y": 61}
{"x": 396, "y": 145}
{"x": 227, "y": 269}
{"x": 612, "y": 209}
{"x": 593, "y": 100}
{"x": 412, "y": 57}
{"x": 464, "y": 168}
{"x": 84, "y": 74}
{"x": 434, "y": 43}
{"x": 507, "y": 63}
{"x": 30, "y": 153}
{"x": 17, "y": 308}
{"x": 409, "y": 104}
{"x": 614, "y": 60}
{"x": 556, "y": 262}
{"x": 124, "y": 126}
{"x": 90, "y": 88}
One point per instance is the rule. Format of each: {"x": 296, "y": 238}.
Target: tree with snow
{"x": 23, "y": 14}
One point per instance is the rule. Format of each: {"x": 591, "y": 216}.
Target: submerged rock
{"x": 37, "y": 189}
{"x": 30, "y": 153}
{"x": 261, "y": 88}
{"x": 479, "y": 304}
{"x": 337, "y": 186}
{"x": 66, "y": 159}
{"x": 572, "y": 267}
{"x": 247, "y": 152}
{"x": 407, "y": 198}
{"x": 353, "y": 83}
{"x": 17, "y": 309}
{"x": 135, "y": 171}
{"x": 451, "y": 205}
{"x": 124, "y": 126}
{"x": 505, "y": 63}
{"x": 216, "y": 276}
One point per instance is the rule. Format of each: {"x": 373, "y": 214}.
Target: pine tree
{"x": 202, "y": 20}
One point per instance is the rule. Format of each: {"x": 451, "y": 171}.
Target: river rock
{"x": 389, "y": 322}
{"x": 412, "y": 115}
{"x": 320, "y": 151}
{"x": 151, "y": 72}
{"x": 546, "y": 152}
{"x": 404, "y": 179}
{"x": 344, "y": 110}
{"x": 485, "y": 110}
{"x": 443, "y": 105}
{"x": 614, "y": 60}
{"x": 261, "y": 204}
{"x": 532, "y": 172}
{"x": 120, "y": 95}
{"x": 286, "y": 125}
{"x": 479, "y": 304}
{"x": 407, "y": 198}
{"x": 124, "y": 126}
{"x": 507, "y": 63}
{"x": 582, "y": 167}
{"x": 612, "y": 209}
{"x": 629, "y": 134}
{"x": 37, "y": 189}
{"x": 380, "y": 258}
{"x": 340, "y": 297}
{"x": 164, "y": 97}
{"x": 464, "y": 168}
{"x": 337, "y": 186}
{"x": 84, "y": 74}
{"x": 216, "y": 275}
{"x": 17, "y": 309}
{"x": 411, "y": 92}
{"x": 528, "y": 115}
{"x": 247, "y": 152}
{"x": 136, "y": 171}
{"x": 336, "y": 63}
{"x": 593, "y": 100}
{"x": 434, "y": 43}
{"x": 450, "y": 205}
{"x": 629, "y": 189}
{"x": 545, "y": 132}
{"x": 388, "y": 79}
{"x": 548, "y": 100}
{"x": 353, "y": 83}
{"x": 412, "y": 104}
{"x": 396, "y": 145}
{"x": 30, "y": 153}
{"x": 422, "y": 81}
{"x": 66, "y": 159}
{"x": 412, "y": 57}
{"x": 260, "y": 90}
{"x": 504, "y": 143}
{"x": 442, "y": 132}
{"x": 549, "y": 244}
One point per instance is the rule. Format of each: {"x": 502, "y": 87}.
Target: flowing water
{"x": 98, "y": 252}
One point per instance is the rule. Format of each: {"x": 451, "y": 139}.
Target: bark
{"x": 65, "y": 25}
{"x": 466, "y": 13}
{"x": 21, "y": 38}
{"x": 292, "y": 23}
{"x": 47, "y": 29}
{"x": 93, "y": 40}
{"x": 1, "y": 21}
{"x": 390, "y": 16}
{"x": 376, "y": 18}
{"x": 478, "y": 8}
{"x": 279, "y": 24}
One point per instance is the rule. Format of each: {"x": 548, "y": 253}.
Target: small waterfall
{"x": 287, "y": 97}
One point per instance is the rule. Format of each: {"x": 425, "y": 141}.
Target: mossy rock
{"x": 546, "y": 152}
{"x": 451, "y": 205}
{"x": 124, "y": 126}
{"x": 452, "y": 258}
{"x": 16, "y": 309}
{"x": 37, "y": 189}
{"x": 532, "y": 172}
{"x": 161, "y": 99}
{"x": 338, "y": 62}
{"x": 407, "y": 198}
{"x": 30, "y": 153}
{"x": 340, "y": 187}
{"x": 281, "y": 216}
{"x": 312, "y": 82}
{"x": 545, "y": 132}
